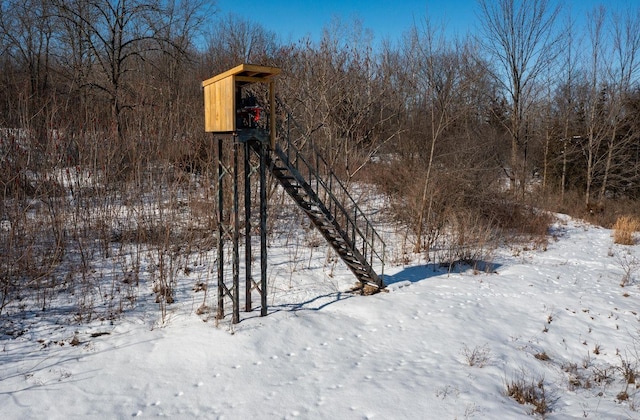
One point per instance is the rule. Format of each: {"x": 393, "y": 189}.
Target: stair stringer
{"x": 307, "y": 198}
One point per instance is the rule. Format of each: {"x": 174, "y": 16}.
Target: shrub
{"x": 470, "y": 241}
{"x": 478, "y": 356}
{"x": 531, "y": 392}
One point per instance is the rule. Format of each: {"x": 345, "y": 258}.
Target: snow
{"x": 437, "y": 345}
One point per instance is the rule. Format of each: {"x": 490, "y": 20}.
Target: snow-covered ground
{"x": 438, "y": 345}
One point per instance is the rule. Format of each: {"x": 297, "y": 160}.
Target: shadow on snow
{"x": 421, "y": 272}
{"x": 410, "y": 274}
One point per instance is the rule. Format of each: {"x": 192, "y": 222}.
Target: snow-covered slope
{"x": 436, "y": 346}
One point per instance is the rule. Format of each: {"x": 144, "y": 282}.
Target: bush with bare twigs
{"x": 529, "y": 392}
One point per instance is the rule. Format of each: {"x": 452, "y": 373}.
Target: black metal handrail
{"x": 355, "y": 227}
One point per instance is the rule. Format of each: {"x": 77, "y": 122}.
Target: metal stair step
{"x": 362, "y": 272}
{"x": 303, "y": 192}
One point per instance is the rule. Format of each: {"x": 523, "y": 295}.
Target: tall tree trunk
{"x": 607, "y": 167}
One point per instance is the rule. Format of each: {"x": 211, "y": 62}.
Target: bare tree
{"x": 594, "y": 106}
{"x": 117, "y": 34}
{"x": 519, "y": 36}
{"x": 566, "y": 99}
{"x": 28, "y": 30}
{"x": 622, "y": 73}
{"x": 338, "y": 93}
{"x": 110, "y": 41}
{"x": 236, "y": 40}
{"x": 436, "y": 78}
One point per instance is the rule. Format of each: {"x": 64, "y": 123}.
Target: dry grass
{"x": 529, "y": 392}
{"x": 624, "y": 230}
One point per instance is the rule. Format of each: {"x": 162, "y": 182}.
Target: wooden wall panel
{"x": 219, "y": 106}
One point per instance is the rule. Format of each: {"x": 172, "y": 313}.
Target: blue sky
{"x": 292, "y": 20}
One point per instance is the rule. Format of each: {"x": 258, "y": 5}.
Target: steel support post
{"x": 236, "y": 236}
{"x": 247, "y": 226}
{"x": 221, "y": 222}
{"x": 263, "y": 228}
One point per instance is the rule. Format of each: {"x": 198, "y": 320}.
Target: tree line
{"x": 555, "y": 91}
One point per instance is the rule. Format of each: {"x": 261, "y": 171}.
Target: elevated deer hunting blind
{"x": 226, "y": 111}
{"x": 232, "y": 112}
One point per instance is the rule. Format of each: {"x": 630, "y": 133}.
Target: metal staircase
{"x": 320, "y": 194}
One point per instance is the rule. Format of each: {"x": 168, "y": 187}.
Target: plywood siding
{"x": 219, "y": 106}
